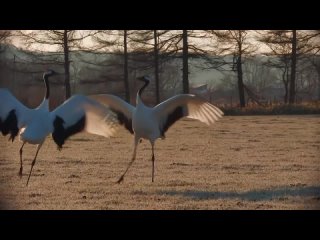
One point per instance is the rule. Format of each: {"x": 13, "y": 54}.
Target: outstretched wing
{"x": 13, "y": 114}
{"x": 80, "y": 113}
{"x": 185, "y": 105}
{"x": 122, "y": 109}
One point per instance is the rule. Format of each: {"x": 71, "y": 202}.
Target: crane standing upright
{"x": 78, "y": 113}
{"x": 152, "y": 123}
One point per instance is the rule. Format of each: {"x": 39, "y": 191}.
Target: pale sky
{"x": 88, "y": 43}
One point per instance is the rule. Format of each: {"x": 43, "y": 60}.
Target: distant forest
{"x": 230, "y": 67}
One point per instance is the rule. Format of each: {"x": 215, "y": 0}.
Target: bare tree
{"x": 4, "y": 36}
{"x": 185, "y": 56}
{"x": 156, "y": 64}
{"x": 235, "y": 42}
{"x": 289, "y": 46}
{"x": 125, "y": 65}
{"x": 116, "y": 41}
{"x": 292, "y": 91}
{"x": 66, "y": 52}
{"x": 306, "y": 79}
{"x": 169, "y": 46}
{"x": 64, "y": 42}
{"x": 172, "y": 46}
{"x": 314, "y": 58}
{"x": 315, "y": 61}
{"x": 257, "y": 74}
{"x": 279, "y": 57}
{"x": 156, "y": 46}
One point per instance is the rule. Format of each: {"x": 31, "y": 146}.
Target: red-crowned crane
{"x": 152, "y": 123}
{"x": 78, "y": 113}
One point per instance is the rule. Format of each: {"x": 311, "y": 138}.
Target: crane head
{"x": 144, "y": 78}
{"x": 50, "y": 72}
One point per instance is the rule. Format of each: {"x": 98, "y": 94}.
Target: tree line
{"x": 223, "y": 50}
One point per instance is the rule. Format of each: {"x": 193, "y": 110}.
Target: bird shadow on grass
{"x": 281, "y": 193}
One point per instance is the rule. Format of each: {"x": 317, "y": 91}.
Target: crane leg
{"x": 152, "y": 159}
{"x": 33, "y": 162}
{"x": 131, "y": 162}
{"x": 20, "y": 171}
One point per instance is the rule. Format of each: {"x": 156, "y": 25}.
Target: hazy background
{"x": 95, "y": 62}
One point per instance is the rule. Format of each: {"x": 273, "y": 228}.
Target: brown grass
{"x": 260, "y": 162}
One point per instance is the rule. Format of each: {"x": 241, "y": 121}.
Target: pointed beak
{"x": 143, "y": 78}
{"x": 140, "y": 78}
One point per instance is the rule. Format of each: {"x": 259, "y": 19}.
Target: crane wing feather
{"x": 80, "y": 113}
{"x": 13, "y": 114}
{"x": 122, "y": 109}
{"x": 185, "y": 105}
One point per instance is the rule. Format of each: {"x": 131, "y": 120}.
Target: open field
{"x": 247, "y": 162}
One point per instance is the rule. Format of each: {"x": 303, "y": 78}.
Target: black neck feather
{"x": 146, "y": 83}
{"x": 46, "y": 82}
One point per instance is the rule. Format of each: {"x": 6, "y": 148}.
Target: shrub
{"x": 279, "y": 109}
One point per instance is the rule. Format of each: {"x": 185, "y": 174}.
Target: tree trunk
{"x": 156, "y": 66}
{"x": 66, "y": 64}
{"x": 285, "y": 82}
{"x": 185, "y": 72}
{"x": 318, "y": 82}
{"x": 286, "y": 92}
{"x": 125, "y": 67}
{"x": 293, "y": 68}
{"x": 318, "y": 85}
{"x": 240, "y": 81}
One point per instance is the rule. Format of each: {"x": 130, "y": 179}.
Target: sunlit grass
{"x": 242, "y": 162}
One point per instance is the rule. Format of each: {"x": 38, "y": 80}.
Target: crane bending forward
{"x": 76, "y": 114}
{"x": 152, "y": 123}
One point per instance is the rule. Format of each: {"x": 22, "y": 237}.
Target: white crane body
{"x": 152, "y": 123}
{"x": 78, "y": 113}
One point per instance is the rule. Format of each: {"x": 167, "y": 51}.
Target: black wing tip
{"x": 174, "y": 116}
{"x": 10, "y": 125}
{"x": 123, "y": 120}
{"x": 131, "y": 131}
{"x": 61, "y": 134}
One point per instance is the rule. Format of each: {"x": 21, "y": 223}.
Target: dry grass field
{"x": 247, "y": 162}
